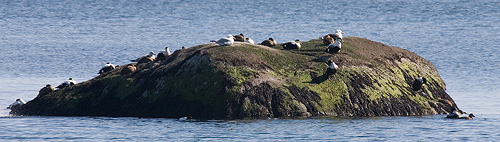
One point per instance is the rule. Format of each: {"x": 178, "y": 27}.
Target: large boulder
{"x": 245, "y": 80}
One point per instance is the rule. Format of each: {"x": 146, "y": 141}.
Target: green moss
{"x": 235, "y": 90}
{"x": 383, "y": 85}
{"x": 291, "y": 105}
{"x": 410, "y": 69}
{"x": 251, "y": 107}
{"x": 413, "y": 70}
{"x": 399, "y": 73}
{"x": 239, "y": 74}
{"x": 202, "y": 87}
{"x": 423, "y": 101}
{"x": 120, "y": 84}
{"x": 330, "y": 89}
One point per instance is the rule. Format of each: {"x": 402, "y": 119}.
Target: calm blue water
{"x": 47, "y": 42}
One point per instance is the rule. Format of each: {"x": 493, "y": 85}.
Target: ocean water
{"x": 46, "y": 42}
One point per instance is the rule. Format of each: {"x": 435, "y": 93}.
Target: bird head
{"x": 471, "y": 115}
{"x": 340, "y": 32}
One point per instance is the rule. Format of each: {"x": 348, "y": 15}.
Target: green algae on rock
{"x": 245, "y": 80}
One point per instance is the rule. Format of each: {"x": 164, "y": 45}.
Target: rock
{"x": 256, "y": 81}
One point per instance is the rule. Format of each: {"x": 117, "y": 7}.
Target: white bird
{"x": 249, "y": 40}
{"x": 17, "y": 102}
{"x": 107, "y": 67}
{"x": 332, "y": 68}
{"x": 292, "y": 45}
{"x": 183, "y": 118}
{"x": 334, "y": 47}
{"x": 163, "y": 54}
{"x": 186, "y": 118}
{"x": 453, "y": 114}
{"x": 229, "y": 40}
{"x": 146, "y": 58}
{"x": 337, "y": 35}
{"x": 67, "y": 83}
{"x": 167, "y": 52}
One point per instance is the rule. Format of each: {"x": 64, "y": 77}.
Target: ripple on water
{"x": 45, "y": 42}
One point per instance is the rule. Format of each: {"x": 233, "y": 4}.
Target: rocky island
{"x": 254, "y": 81}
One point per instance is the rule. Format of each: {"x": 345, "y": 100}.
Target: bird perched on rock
{"x": 130, "y": 68}
{"x": 227, "y": 41}
{"x": 240, "y": 38}
{"x": 418, "y": 83}
{"x": 327, "y": 39}
{"x": 146, "y": 58}
{"x": 46, "y": 90}
{"x": 270, "y": 42}
{"x": 292, "y": 45}
{"x": 66, "y": 83}
{"x": 164, "y": 54}
{"x": 18, "y": 102}
{"x": 332, "y": 68}
{"x": 107, "y": 67}
{"x": 334, "y": 47}
{"x": 249, "y": 40}
{"x": 337, "y": 35}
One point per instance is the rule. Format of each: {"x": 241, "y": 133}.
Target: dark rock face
{"x": 245, "y": 80}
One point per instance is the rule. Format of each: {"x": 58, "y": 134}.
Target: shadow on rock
{"x": 319, "y": 79}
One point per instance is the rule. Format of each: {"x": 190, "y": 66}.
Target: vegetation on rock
{"x": 245, "y": 80}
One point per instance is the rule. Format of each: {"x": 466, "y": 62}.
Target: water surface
{"x": 47, "y": 42}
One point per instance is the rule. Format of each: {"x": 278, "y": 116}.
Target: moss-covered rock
{"x": 245, "y": 80}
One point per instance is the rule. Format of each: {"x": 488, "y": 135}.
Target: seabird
{"x": 332, "y": 68}
{"x": 334, "y": 47}
{"x": 130, "y": 68}
{"x": 66, "y": 83}
{"x": 456, "y": 115}
{"x": 337, "y": 35}
{"x": 417, "y": 83}
{"x": 163, "y": 54}
{"x": 16, "y": 103}
{"x": 471, "y": 116}
{"x": 240, "y": 38}
{"x": 229, "y": 40}
{"x": 453, "y": 114}
{"x": 146, "y": 58}
{"x": 292, "y": 45}
{"x": 107, "y": 67}
{"x": 46, "y": 90}
{"x": 249, "y": 40}
{"x": 327, "y": 40}
{"x": 183, "y": 118}
{"x": 270, "y": 42}
{"x": 186, "y": 118}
